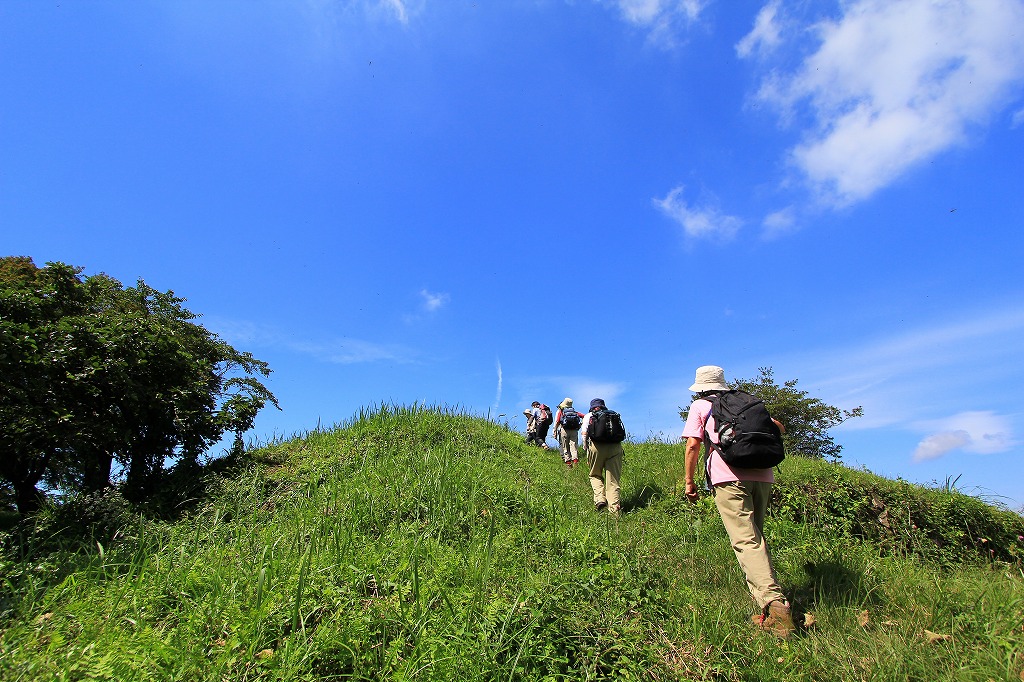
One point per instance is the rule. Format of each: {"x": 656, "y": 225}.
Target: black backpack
{"x": 570, "y": 419}
{"x": 747, "y": 436}
{"x": 606, "y": 427}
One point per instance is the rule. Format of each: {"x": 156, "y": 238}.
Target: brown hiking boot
{"x": 776, "y": 618}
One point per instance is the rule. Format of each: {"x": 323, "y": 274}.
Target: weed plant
{"x": 428, "y": 544}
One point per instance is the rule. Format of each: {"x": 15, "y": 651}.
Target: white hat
{"x": 709, "y": 378}
{"x": 565, "y": 403}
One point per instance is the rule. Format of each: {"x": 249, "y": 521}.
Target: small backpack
{"x": 545, "y": 416}
{"x": 606, "y": 427}
{"x": 571, "y": 419}
{"x": 747, "y": 436}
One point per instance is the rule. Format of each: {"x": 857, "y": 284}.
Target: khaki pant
{"x": 742, "y": 506}
{"x": 569, "y": 442}
{"x": 605, "y": 461}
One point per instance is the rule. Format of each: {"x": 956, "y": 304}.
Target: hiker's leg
{"x": 735, "y": 502}
{"x": 596, "y": 473}
{"x": 612, "y": 473}
{"x": 761, "y": 493}
{"x": 572, "y": 439}
{"x": 563, "y": 444}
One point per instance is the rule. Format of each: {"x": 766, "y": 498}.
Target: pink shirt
{"x": 699, "y": 418}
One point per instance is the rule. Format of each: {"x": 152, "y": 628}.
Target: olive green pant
{"x": 742, "y": 506}
{"x": 605, "y": 461}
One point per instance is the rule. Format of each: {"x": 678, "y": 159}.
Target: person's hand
{"x": 691, "y": 491}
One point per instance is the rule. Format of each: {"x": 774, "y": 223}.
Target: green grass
{"x": 427, "y": 544}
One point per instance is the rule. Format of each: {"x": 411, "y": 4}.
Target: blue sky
{"x": 485, "y": 203}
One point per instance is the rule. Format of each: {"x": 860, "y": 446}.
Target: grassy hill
{"x": 422, "y": 544}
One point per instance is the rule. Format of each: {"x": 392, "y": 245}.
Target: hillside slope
{"x": 422, "y": 544}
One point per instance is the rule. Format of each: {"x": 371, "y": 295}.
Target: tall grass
{"x": 414, "y": 543}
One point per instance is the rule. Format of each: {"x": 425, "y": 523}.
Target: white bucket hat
{"x": 566, "y": 403}
{"x": 709, "y": 378}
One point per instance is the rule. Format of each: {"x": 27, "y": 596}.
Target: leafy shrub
{"x": 901, "y": 518}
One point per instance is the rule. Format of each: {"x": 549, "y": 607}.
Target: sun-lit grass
{"x": 429, "y": 544}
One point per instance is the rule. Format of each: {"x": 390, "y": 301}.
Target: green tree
{"x": 807, "y": 420}
{"x": 95, "y": 373}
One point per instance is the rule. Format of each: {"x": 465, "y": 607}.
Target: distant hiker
{"x": 602, "y": 432}
{"x": 538, "y": 421}
{"x": 567, "y": 432}
{"x": 542, "y": 423}
{"x": 741, "y": 494}
{"x": 531, "y": 421}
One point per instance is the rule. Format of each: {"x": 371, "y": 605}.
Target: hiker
{"x": 742, "y": 497}
{"x": 531, "y": 428}
{"x": 538, "y": 421}
{"x": 567, "y": 432}
{"x": 602, "y": 434}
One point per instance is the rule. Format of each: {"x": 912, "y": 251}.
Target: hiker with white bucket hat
{"x": 741, "y": 493}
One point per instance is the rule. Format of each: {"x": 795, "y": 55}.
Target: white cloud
{"x": 975, "y": 432}
{"x": 764, "y": 37}
{"x": 779, "y": 223}
{"x": 581, "y": 389}
{"x": 397, "y": 7}
{"x": 648, "y": 12}
{"x": 698, "y": 221}
{"x": 433, "y": 302}
{"x": 663, "y": 18}
{"x": 895, "y": 82}
{"x": 938, "y": 444}
{"x": 497, "y": 397}
{"x": 1018, "y": 118}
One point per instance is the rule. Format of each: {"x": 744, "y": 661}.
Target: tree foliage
{"x": 95, "y": 373}
{"x": 807, "y": 420}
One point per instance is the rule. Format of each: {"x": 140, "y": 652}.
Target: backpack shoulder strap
{"x": 709, "y": 447}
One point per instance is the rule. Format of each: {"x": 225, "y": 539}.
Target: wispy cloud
{"x": 967, "y": 341}
{"x": 497, "y": 396}
{"x": 430, "y": 304}
{"x": 353, "y": 351}
{"x": 765, "y": 35}
{"x": 891, "y": 84}
{"x": 433, "y": 302}
{"x": 779, "y": 223}
{"x": 398, "y": 8}
{"x": 343, "y": 350}
{"x": 647, "y": 12}
{"x": 664, "y": 20}
{"x": 905, "y": 378}
{"x": 585, "y": 390}
{"x": 551, "y": 389}
{"x": 975, "y": 432}
{"x": 911, "y": 385}
{"x": 697, "y": 221}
